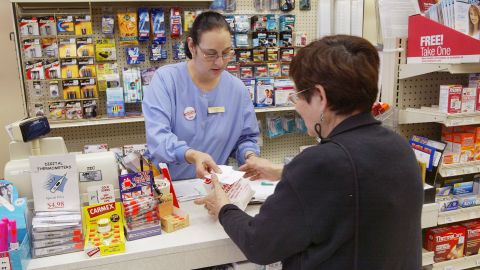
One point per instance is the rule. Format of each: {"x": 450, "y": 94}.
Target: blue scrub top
{"x": 177, "y": 119}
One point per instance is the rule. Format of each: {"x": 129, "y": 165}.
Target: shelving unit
{"x": 457, "y": 264}
{"x": 459, "y": 169}
{"x": 411, "y": 70}
{"x": 432, "y": 115}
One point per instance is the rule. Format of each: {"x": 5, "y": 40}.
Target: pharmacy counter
{"x": 204, "y": 243}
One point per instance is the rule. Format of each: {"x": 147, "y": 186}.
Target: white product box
{"x": 469, "y": 100}
{"x": 450, "y": 98}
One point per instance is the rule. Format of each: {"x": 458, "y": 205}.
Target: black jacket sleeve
{"x": 278, "y": 231}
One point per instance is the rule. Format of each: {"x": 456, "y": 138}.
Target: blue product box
{"x": 115, "y": 103}
{"x": 463, "y": 188}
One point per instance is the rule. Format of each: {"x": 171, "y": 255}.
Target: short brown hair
{"x": 346, "y": 67}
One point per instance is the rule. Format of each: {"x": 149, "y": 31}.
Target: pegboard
{"x": 116, "y": 135}
{"x": 422, "y": 90}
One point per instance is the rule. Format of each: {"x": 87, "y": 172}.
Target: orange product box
{"x": 470, "y": 129}
{"x": 459, "y": 129}
{"x": 477, "y": 134}
{"x": 476, "y": 152}
{"x": 447, "y": 243}
{"x": 472, "y": 242}
{"x": 464, "y": 139}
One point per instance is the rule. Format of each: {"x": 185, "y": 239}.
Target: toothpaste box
{"x": 467, "y": 200}
{"x": 447, "y": 243}
{"x": 473, "y": 237}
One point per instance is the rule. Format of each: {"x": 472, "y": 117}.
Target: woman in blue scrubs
{"x": 196, "y": 113}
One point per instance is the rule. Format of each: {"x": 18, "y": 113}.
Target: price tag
{"x": 449, "y": 219}
{"x": 456, "y": 122}
{"x": 468, "y": 120}
{"x": 468, "y": 170}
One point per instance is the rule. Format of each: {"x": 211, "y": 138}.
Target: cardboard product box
{"x": 450, "y": 98}
{"x": 466, "y": 141}
{"x": 447, "y": 243}
{"x": 469, "y": 97}
{"x": 473, "y": 237}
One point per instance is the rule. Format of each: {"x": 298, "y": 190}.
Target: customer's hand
{"x": 260, "y": 168}
{"x": 204, "y": 163}
{"x": 214, "y": 201}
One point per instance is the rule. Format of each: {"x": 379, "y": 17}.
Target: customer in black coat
{"x": 354, "y": 200}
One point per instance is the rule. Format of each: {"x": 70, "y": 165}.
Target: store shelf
{"x": 274, "y": 109}
{"x": 459, "y": 169}
{"x": 109, "y": 121}
{"x": 412, "y": 70}
{"x": 431, "y": 114}
{"x": 457, "y": 264}
{"x": 427, "y": 257}
{"x": 429, "y": 215}
{"x": 103, "y": 1}
{"x": 94, "y": 122}
{"x": 458, "y": 215}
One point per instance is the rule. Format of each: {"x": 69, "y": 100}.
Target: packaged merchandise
{"x": 176, "y": 29}
{"x": 71, "y": 89}
{"x": 287, "y": 22}
{"x": 288, "y": 123}
{"x": 158, "y": 52}
{"x": 231, "y": 22}
{"x": 246, "y": 72}
{"x": 259, "y": 39}
{"x": 134, "y": 56}
{"x": 73, "y": 110}
{"x": 143, "y": 24}
{"x": 105, "y": 49}
{"x": 304, "y": 4}
{"x": 244, "y": 55}
{"x": 67, "y": 48}
{"x": 259, "y": 5}
{"x": 52, "y": 70}
{"x": 283, "y": 89}
{"x": 286, "y": 39}
{"x": 86, "y": 68}
{"x": 108, "y": 76}
{"x": 272, "y": 23}
{"x": 274, "y": 70}
{"x": 450, "y": 98}
{"x": 189, "y": 18}
{"x": 83, "y": 25}
{"x": 139, "y": 149}
{"x": 230, "y": 5}
{"x": 101, "y": 194}
{"x": 115, "y": 102}
{"x": 158, "y": 26}
{"x": 259, "y": 23}
{"x": 32, "y": 48}
{"x": 273, "y": 5}
{"x": 287, "y": 5}
{"x": 88, "y": 88}
{"x": 65, "y": 25}
{"x": 242, "y": 23}
{"x": 178, "y": 48}
{"x": 250, "y": 84}
{"x": 103, "y": 229}
{"x": 234, "y": 69}
{"x": 39, "y": 110}
{"x": 241, "y": 40}
{"x": 147, "y": 75}
{"x": 469, "y": 98}
{"x": 34, "y": 70}
{"x": 217, "y": 5}
{"x": 89, "y": 108}
{"x": 446, "y": 242}
{"x": 85, "y": 47}
{"x": 301, "y": 39}
{"x": 274, "y": 125}
{"x": 37, "y": 86}
{"x": 132, "y": 85}
{"x": 49, "y": 47}
{"x": 467, "y": 200}
{"x": 54, "y": 89}
{"x": 287, "y": 54}
{"x": 69, "y": 68}
{"x": 261, "y": 71}
{"x": 108, "y": 24}
{"x": 272, "y": 54}
{"x": 272, "y": 39}
{"x": 127, "y": 28}
{"x": 447, "y": 203}
{"x": 29, "y": 26}
{"x": 472, "y": 241}
{"x": 264, "y": 92}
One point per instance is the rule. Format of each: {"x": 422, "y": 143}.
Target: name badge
{"x": 216, "y": 109}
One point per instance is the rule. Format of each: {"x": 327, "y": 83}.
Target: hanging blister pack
{"x": 259, "y": 5}
{"x": 272, "y": 22}
{"x": 218, "y": 5}
{"x": 176, "y": 29}
{"x": 230, "y": 5}
{"x": 231, "y": 22}
{"x": 273, "y": 5}
{"x": 132, "y": 85}
{"x": 143, "y": 24}
{"x": 108, "y": 24}
{"x": 134, "y": 56}
{"x": 158, "y": 52}
{"x": 178, "y": 49}
{"x": 305, "y": 5}
{"x": 242, "y": 23}
{"x": 288, "y": 123}
{"x": 300, "y": 124}
{"x": 274, "y": 126}
{"x": 158, "y": 26}
{"x": 287, "y": 5}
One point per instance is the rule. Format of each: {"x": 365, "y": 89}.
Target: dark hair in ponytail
{"x": 206, "y": 21}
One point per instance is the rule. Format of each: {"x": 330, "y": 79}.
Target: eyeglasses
{"x": 293, "y": 97}
{"x": 211, "y": 57}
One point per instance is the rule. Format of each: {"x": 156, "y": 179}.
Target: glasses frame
{"x": 225, "y": 57}
{"x": 293, "y": 97}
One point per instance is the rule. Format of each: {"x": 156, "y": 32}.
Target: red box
{"x": 450, "y": 98}
{"x": 477, "y": 104}
{"x": 473, "y": 237}
{"x": 447, "y": 243}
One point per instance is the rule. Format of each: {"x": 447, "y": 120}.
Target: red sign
{"x": 431, "y": 42}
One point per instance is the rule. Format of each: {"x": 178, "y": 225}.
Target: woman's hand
{"x": 204, "y": 163}
{"x": 214, "y": 201}
{"x": 260, "y": 168}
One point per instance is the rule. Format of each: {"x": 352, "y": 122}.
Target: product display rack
{"x": 130, "y": 130}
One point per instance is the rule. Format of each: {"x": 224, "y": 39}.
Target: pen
{"x": 263, "y": 183}
{"x": 12, "y": 224}
{"x": 3, "y": 236}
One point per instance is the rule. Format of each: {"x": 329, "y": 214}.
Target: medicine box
{"x": 450, "y": 98}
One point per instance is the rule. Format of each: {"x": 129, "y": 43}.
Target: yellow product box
{"x": 128, "y": 28}
{"x": 178, "y": 220}
{"x": 467, "y": 154}
{"x": 67, "y": 48}
{"x": 165, "y": 207}
{"x": 103, "y": 228}
{"x": 71, "y": 89}
{"x": 83, "y": 25}
{"x": 105, "y": 49}
{"x": 85, "y": 47}
{"x": 69, "y": 69}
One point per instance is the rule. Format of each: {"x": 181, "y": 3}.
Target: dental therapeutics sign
{"x": 431, "y": 42}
